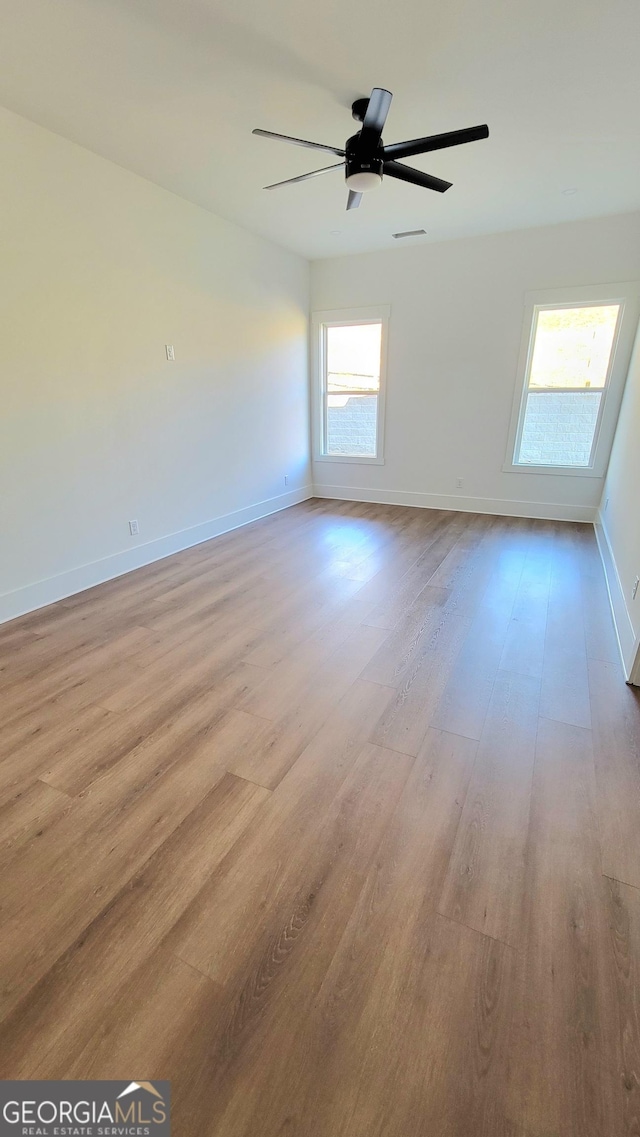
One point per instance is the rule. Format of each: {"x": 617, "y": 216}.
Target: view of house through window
{"x": 352, "y": 388}
{"x": 566, "y": 383}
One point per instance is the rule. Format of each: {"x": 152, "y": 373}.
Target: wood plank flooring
{"x": 334, "y": 821}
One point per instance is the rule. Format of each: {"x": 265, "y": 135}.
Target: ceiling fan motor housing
{"x": 363, "y": 170}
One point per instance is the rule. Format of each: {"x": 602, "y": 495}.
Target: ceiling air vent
{"x": 410, "y": 233}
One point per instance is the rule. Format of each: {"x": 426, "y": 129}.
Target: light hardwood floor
{"x": 334, "y": 821}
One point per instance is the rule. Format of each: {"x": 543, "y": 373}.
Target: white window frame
{"x": 627, "y": 295}
{"x": 341, "y": 317}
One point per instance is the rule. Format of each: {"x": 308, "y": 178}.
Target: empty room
{"x": 319, "y": 569}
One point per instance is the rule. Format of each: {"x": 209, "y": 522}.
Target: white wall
{"x": 99, "y": 269}
{"x": 454, "y": 338}
{"x": 620, "y": 519}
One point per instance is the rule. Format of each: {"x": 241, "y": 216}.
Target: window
{"x": 350, "y": 357}
{"x": 573, "y": 367}
{"x": 570, "y": 364}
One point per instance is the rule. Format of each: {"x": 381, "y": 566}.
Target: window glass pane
{"x": 559, "y": 427}
{"x": 352, "y": 422}
{"x": 353, "y": 357}
{"x": 573, "y": 346}
{"x": 353, "y": 383}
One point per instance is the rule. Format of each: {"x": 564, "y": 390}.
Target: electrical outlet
{"x": 634, "y": 590}
{"x": 134, "y": 528}
{"x": 459, "y": 483}
{"x": 286, "y": 479}
{"x": 169, "y": 350}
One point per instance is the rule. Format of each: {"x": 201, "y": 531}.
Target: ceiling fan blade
{"x": 304, "y": 177}
{"x": 436, "y": 142}
{"x": 353, "y": 200}
{"x": 416, "y": 177}
{"x": 299, "y": 141}
{"x": 376, "y": 116}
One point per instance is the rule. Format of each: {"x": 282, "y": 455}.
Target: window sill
{"x": 563, "y": 471}
{"x": 340, "y": 458}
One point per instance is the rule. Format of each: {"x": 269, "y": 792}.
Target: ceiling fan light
{"x": 363, "y": 180}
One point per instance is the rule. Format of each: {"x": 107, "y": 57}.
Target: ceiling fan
{"x": 365, "y": 157}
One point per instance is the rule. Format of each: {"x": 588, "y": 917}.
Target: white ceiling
{"x": 172, "y": 88}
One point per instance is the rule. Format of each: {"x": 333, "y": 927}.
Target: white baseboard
{"x": 627, "y": 640}
{"x": 501, "y": 506}
{"x": 44, "y": 592}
